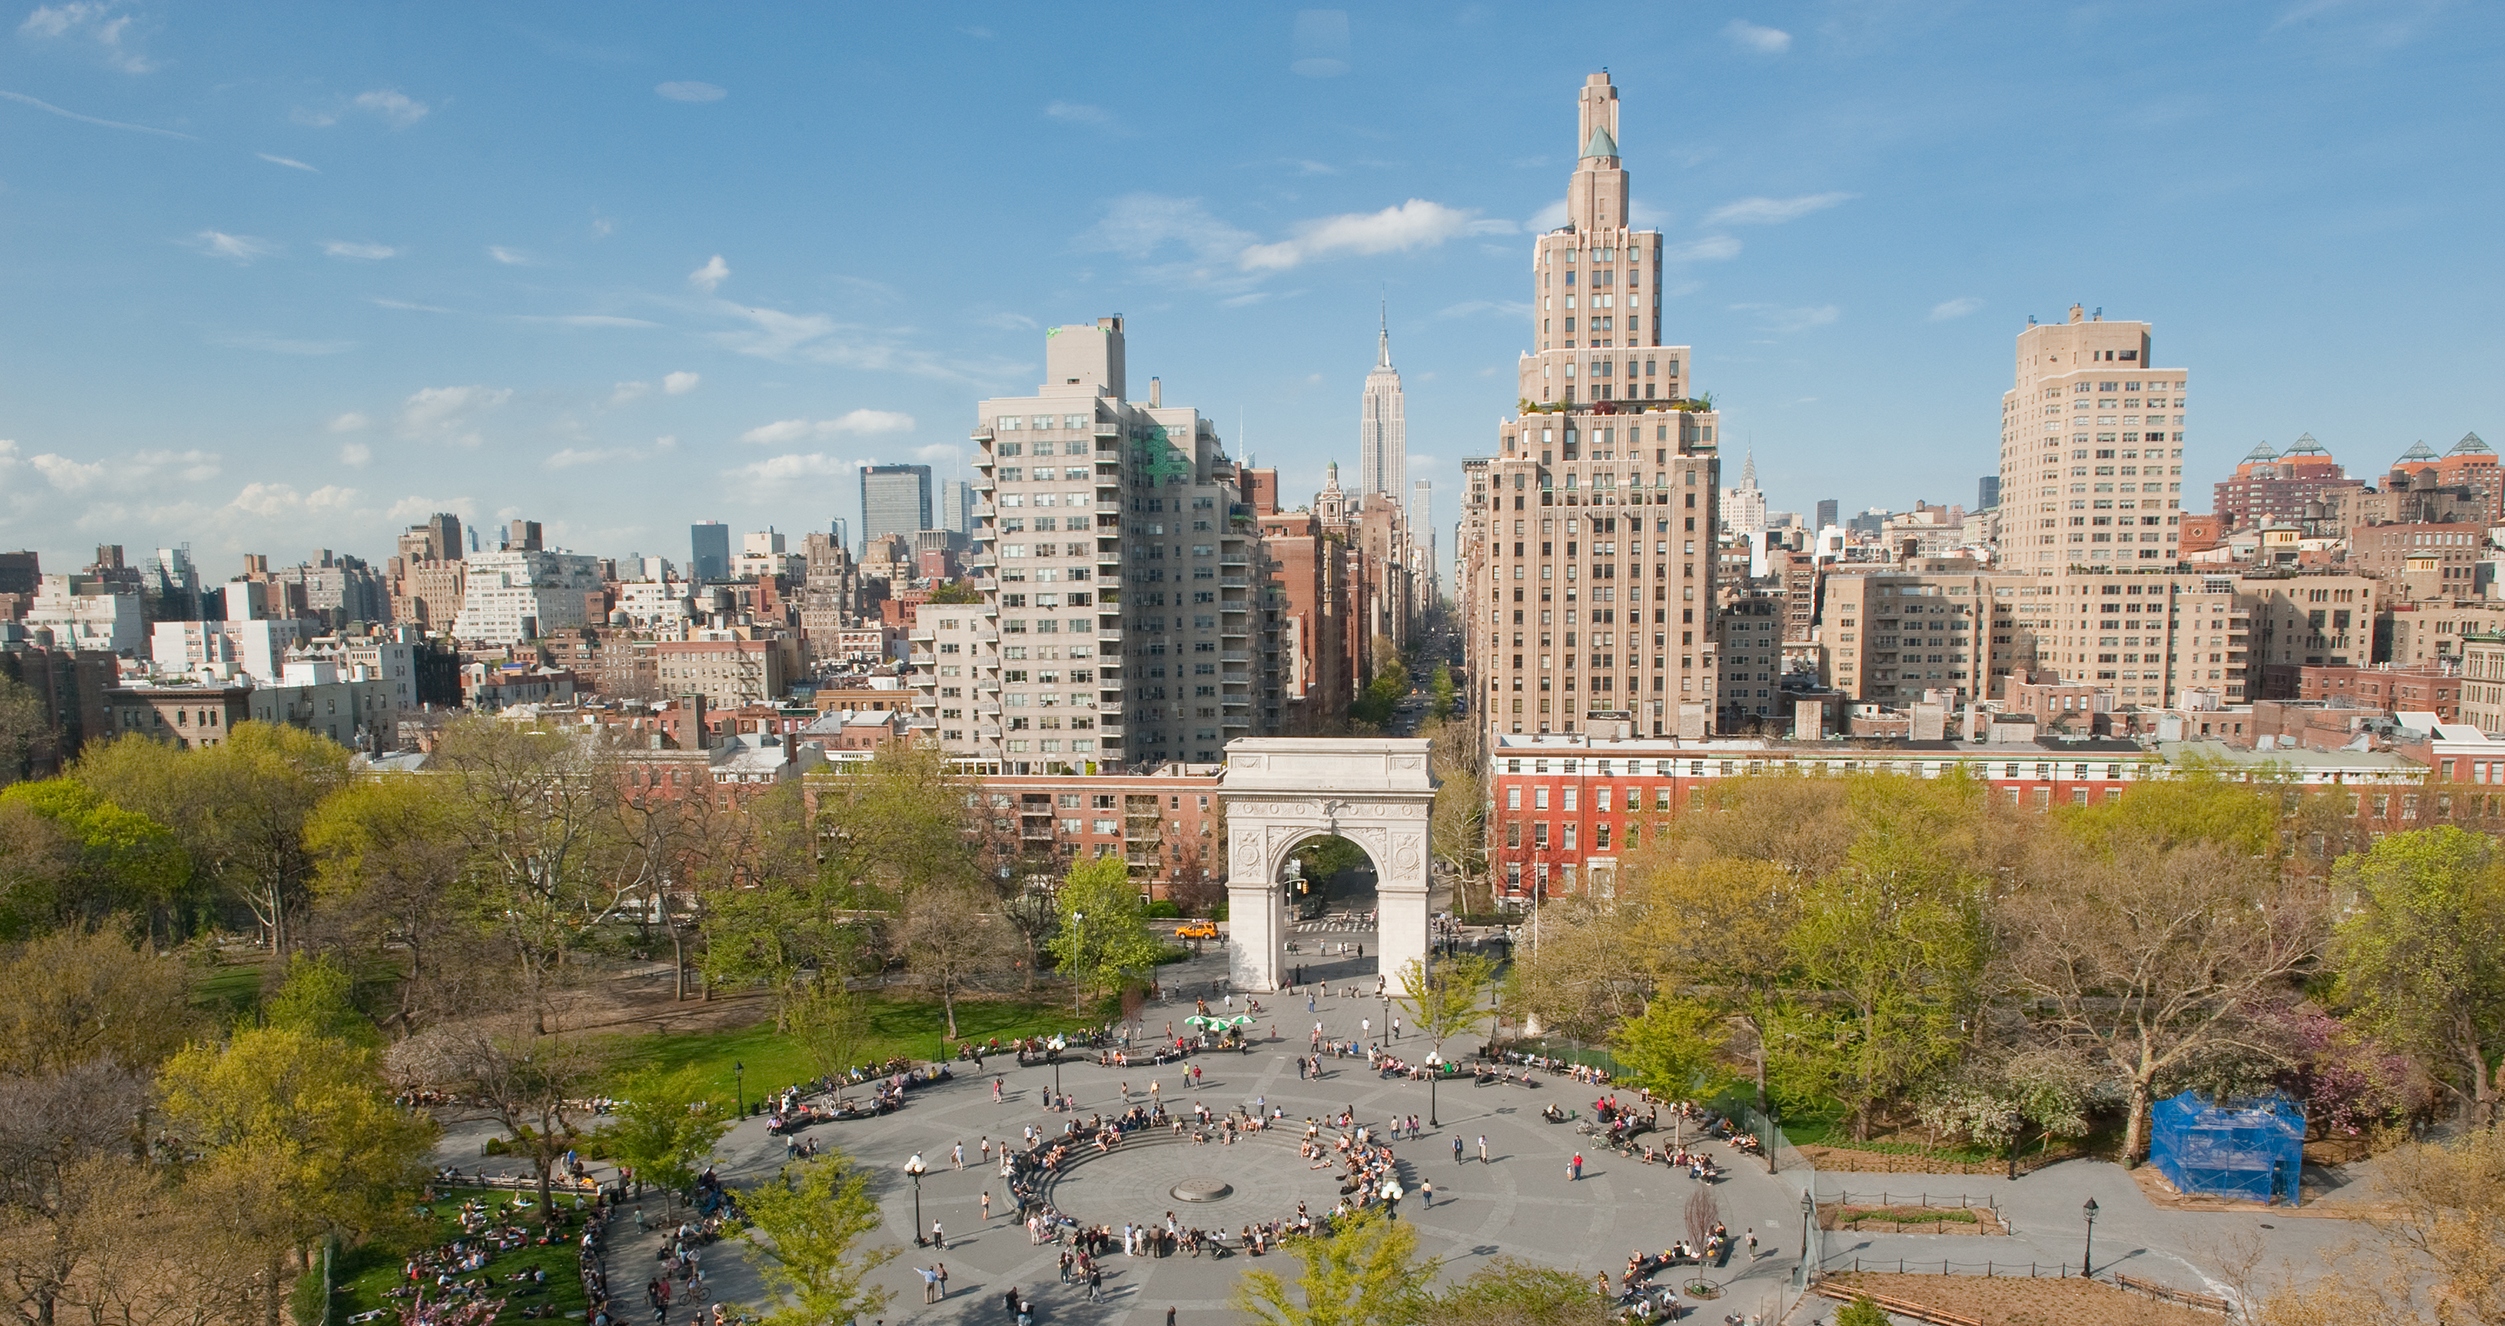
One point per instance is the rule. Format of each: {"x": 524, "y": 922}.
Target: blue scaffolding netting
{"x": 2249, "y": 1150}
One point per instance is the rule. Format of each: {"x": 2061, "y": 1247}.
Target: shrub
{"x": 1861, "y": 1312}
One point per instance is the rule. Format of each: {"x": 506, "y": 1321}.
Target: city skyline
{"x": 287, "y": 283}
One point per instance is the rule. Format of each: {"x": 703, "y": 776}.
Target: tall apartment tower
{"x": 1122, "y": 622}
{"x": 895, "y": 499}
{"x": 1382, "y": 433}
{"x": 709, "y": 552}
{"x": 1589, "y": 602}
{"x": 2091, "y": 450}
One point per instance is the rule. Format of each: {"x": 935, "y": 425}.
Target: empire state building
{"x": 1382, "y": 437}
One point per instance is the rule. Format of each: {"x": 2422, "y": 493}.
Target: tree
{"x": 1509, "y": 1292}
{"x": 97, "y": 858}
{"x": 70, "y": 999}
{"x": 1718, "y": 934}
{"x": 1674, "y": 1046}
{"x": 2418, "y": 956}
{"x": 1862, "y": 1311}
{"x": 1103, "y": 939}
{"x": 545, "y": 858}
{"x": 319, "y": 998}
{"x": 26, "y": 740}
{"x": 665, "y": 1126}
{"x": 1365, "y": 1272}
{"x": 2147, "y": 955}
{"x": 239, "y": 807}
{"x": 1448, "y": 997}
{"x": 950, "y": 941}
{"x": 830, "y": 1023}
{"x": 391, "y": 871}
{"x": 68, "y": 1143}
{"x": 302, "y": 1125}
{"x": 528, "y": 1080}
{"x": 804, "y": 1230}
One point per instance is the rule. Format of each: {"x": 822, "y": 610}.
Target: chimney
{"x": 694, "y": 705}
{"x": 791, "y": 748}
{"x": 1154, "y": 394}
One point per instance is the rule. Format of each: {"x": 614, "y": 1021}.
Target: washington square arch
{"x": 1279, "y": 792}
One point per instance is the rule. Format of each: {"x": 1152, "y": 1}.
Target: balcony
{"x": 1109, "y": 635}
{"x": 1109, "y": 708}
{"x": 1237, "y": 656}
{"x": 986, "y": 707}
{"x": 1234, "y": 580}
{"x": 923, "y": 660}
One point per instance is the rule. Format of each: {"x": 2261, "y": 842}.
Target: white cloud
{"x": 73, "y": 476}
{"x": 98, "y": 23}
{"x": 767, "y": 479}
{"x": 869, "y": 423}
{"x": 783, "y": 430}
{"x": 937, "y": 452}
{"x": 1071, "y": 112}
{"x": 1320, "y": 43}
{"x": 710, "y": 277}
{"x": 1712, "y": 248}
{"x": 816, "y": 338}
{"x": 691, "y": 91}
{"x": 351, "y": 422}
{"x": 1139, "y": 224}
{"x": 269, "y": 501}
{"x": 509, "y": 257}
{"x": 864, "y": 423}
{"x": 1416, "y": 223}
{"x": 1008, "y": 321}
{"x": 1547, "y": 218}
{"x": 582, "y": 320}
{"x": 1750, "y": 37}
{"x": 572, "y": 457}
{"x": 450, "y": 414}
{"x": 1785, "y": 321}
{"x": 290, "y": 162}
{"x": 629, "y": 391}
{"x": 50, "y": 109}
{"x": 1954, "y": 308}
{"x": 1246, "y": 300}
{"x": 680, "y": 383}
{"x": 348, "y": 248}
{"x": 1472, "y": 308}
{"x": 410, "y": 510}
{"x": 1773, "y": 211}
{"x": 68, "y": 475}
{"x": 355, "y": 454}
{"x": 239, "y": 249}
{"x": 392, "y": 106}
{"x": 282, "y": 345}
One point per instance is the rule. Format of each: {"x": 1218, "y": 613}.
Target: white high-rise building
{"x": 1382, "y": 435}
{"x": 1744, "y": 507}
{"x": 2091, "y": 450}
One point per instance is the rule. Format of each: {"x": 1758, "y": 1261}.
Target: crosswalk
{"x": 1335, "y": 925}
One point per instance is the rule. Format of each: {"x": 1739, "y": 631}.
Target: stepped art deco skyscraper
{"x": 1382, "y": 436}
{"x": 1589, "y": 601}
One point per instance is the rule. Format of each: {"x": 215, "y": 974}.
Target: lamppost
{"x": 1434, "y": 1070}
{"x": 739, "y": 1088}
{"x": 915, "y": 1168}
{"x": 1052, "y": 1048}
{"x": 2087, "y": 1256}
{"x": 1078, "y": 921}
{"x": 1808, "y": 1231}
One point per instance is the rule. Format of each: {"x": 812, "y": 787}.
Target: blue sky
{"x": 279, "y": 277}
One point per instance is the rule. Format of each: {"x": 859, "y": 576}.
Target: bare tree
{"x": 532, "y": 1082}
{"x": 2149, "y": 957}
{"x": 951, "y": 941}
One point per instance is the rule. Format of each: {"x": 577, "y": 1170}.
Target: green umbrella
{"x": 1197, "y": 1020}
{"x": 1242, "y": 1020}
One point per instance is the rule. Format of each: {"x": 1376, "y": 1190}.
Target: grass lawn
{"x": 360, "y": 1275}
{"x": 913, "y": 1028}
{"x": 229, "y": 989}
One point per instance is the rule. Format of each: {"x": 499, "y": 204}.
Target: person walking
{"x": 1009, "y": 1301}
{"x": 956, "y": 1155}
{"x": 942, "y": 1269}
{"x": 987, "y": 1206}
{"x": 1426, "y": 1194}
{"x": 1482, "y": 1148}
{"x": 930, "y": 1283}
{"x": 1752, "y": 1242}
{"x": 1574, "y": 1168}
{"x": 1456, "y": 1149}
{"x": 1095, "y": 1284}
{"x": 938, "y": 1239}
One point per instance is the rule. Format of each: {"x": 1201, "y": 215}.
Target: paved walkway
{"x": 1520, "y": 1202}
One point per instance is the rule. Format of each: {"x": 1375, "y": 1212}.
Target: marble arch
{"x": 1280, "y": 791}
